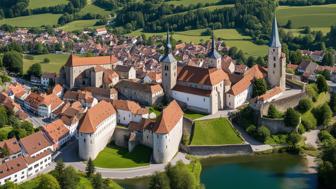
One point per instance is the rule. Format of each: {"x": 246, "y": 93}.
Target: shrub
{"x": 305, "y": 105}
{"x": 325, "y": 137}
{"x": 292, "y": 118}
{"x": 311, "y": 90}
{"x": 263, "y": 133}
{"x": 323, "y": 114}
{"x": 46, "y": 60}
{"x": 301, "y": 129}
{"x": 309, "y": 121}
{"x": 273, "y": 112}
{"x": 251, "y": 130}
{"x": 322, "y": 85}
{"x": 294, "y": 138}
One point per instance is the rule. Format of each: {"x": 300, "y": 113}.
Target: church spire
{"x": 168, "y": 45}
{"x": 275, "y": 40}
{"x": 213, "y": 52}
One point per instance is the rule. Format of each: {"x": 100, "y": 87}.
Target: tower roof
{"x": 214, "y": 53}
{"x": 168, "y": 57}
{"x": 275, "y": 40}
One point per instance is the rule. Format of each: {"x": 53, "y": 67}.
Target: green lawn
{"x": 93, "y": 9}
{"x": 116, "y": 157}
{"x": 79, "y": 25}
{"x": 231, "y": 37}
{"x": 36, "y": 20}
{"x": 34, "y": 4}
{"x": 313, "y": 16}
{"x": 192, "y": 115}
{"x": 56, "y": 62}
{"x": 215, "y": 132}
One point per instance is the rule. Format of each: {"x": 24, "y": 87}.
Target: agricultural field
{"x": 34, "y": 4}
{"x": 55, "y": 64}
{"x": 93, "y": 9}
{"x": 33, "y": 20}
{"x": 231, "y": 37}
{"x": 313, "y": 16}
{"x": 297, "y": 32}
{"x": 79, "y": 25}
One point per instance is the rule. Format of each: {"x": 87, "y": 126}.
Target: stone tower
{"x": 276, "y": 60}
{"x": 169, "y": 69}
{"x": 215, "y": 59}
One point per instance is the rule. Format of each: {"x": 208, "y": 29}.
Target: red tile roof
{"x": 56, "y": 130}
{"x": 170, "y": 116}
{"x": 202, "y": 76}
{"x": 35, "y": 142}
{"x": 95, "y": 116}
{"x": 12, "y": 146}
{"x": 85, "y": 61}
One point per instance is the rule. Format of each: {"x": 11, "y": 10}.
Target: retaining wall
{"x": 218, "y": 150}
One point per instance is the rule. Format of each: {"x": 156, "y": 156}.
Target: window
{"x": 274, "y": 65}
{"x": 274, "y": 58}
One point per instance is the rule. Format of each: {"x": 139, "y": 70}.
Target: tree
{"x": 327, "y": 167}
{"x": 263, "y": 133}
{"x": 97, "y": 181}
{"x": 292, "y": 118}
{"x": 159, "y": 181}
{"x": 289, "y": 24}
{"x": 304, "y": 105}
{"x": 90, "y": 168}
{"x": 323, "y": 114}
{"x": 294, "y": 138}
{"x": 251, "y": 61}
{"x": 321, "y": 83}
{"x": 9, "y": 185}
{"x": 259, "y": 87}
{"x": 3, "y": 116}
{"x": 47, "y": 181}
{"x": 328, "y": 59}
{"x": 35, "y": 70}
{"x": 260, "y": 61}
{"x": 13, "y": 62}
{"x": 273, "y": 112}
{"x": 59, "y": 170}
{"x": 295, "y": 57}
{"x": 69, "y": 179}
{"x": 180, "y": 177}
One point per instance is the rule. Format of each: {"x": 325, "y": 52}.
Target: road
{"x": 69, "y": 154}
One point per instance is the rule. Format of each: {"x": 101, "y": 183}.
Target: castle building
{"x": 88, "y": 71}
{"x": 129, "y": 111}
{"x": 163, "y": 135}
{"x": 96, "y": 130}
{"x": 199, "y": 89}
{"x": 276, "y": 75}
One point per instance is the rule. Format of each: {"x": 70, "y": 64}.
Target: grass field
{"x": 33, "y": 20}
{"x": 298, "y": 32}
{"x": 231, "y": 37}
{"x": 189, "y": 2}
{"x": 79, "y": 25}
{"x": 34, "y": 4}
{"x": 56, "y": 62}
{"x": 313, "y": 16}
{"x": 193, "y": 115}
{"x": 93, "y": 9}
{"x": 116, "y": 157}
{"x": 215, "y": 132}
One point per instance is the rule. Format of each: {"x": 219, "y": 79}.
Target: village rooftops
{"x": 86, "y": 61}
{"x": 12, "y": 166}
{"x": 95, "y": 116}
{"x": 202, "y": 76}
{"x": 12, "y": 145}
{"x": 56, "y": 130}
{"x": 170, "y": 116}
{"x": 129, "y": 105}
{"x": 156, "y": 88}
{"x": 35, "y": 142}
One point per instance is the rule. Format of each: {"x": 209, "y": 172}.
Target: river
{"x": 275, "y": 171}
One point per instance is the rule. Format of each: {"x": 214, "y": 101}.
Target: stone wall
{"x": 275, "y": 125}
{"x": 120, "y": 136}
{"x": 218, "y": 150}
{"x": 283, "y": 104}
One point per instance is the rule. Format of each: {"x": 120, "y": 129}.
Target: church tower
{"x": 276, "y": 60}
{"x": 215, "y": 59}
{"x": 169, "y": 69}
